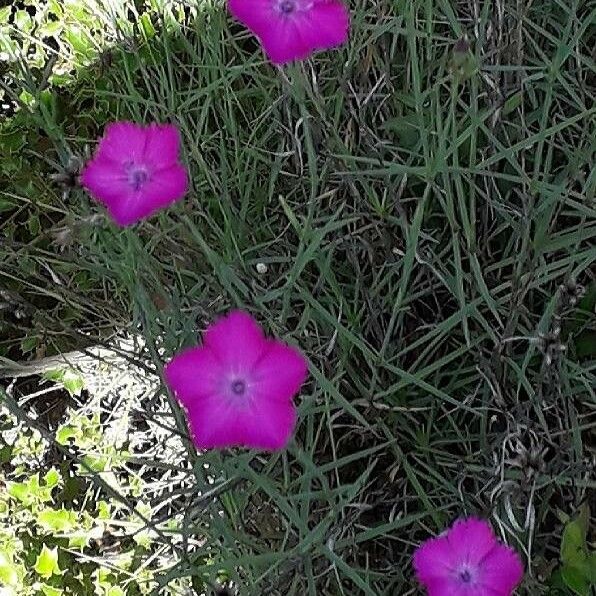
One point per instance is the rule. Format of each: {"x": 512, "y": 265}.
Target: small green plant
{"x": 52, "y": 526}
{"x": 577, "y": 572}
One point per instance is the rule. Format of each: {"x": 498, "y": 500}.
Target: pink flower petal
{"x": 502, "y": 570}
{"x": 165, "y": 188}
{"x": 122, "y": 142}
{"x": 294, "y": 35}
{"x": 257, "y": 15}
{"x": 327, "y": 25}
{"x": 267, "y": 380}
{"x": 218, "y": 423}
{"x": 193, "y": 375}
{"x": 236, "y": 340}
{"x": 283, "y": 42}
{"x": 215, "y": 423}
{"x": 270, "y": 426}
{"x": 162, "y": 148}
{"x": 472, "y": 539}
{"x": 434, "y": 559}
{"x": 105, "y": 181}
{"x": 449, "y": 587}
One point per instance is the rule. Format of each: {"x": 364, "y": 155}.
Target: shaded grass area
{"x": 424, "y": 203}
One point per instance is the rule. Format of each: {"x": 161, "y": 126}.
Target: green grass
{"x": 426, "y": 218}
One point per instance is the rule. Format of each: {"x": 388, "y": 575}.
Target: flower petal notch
{"x": 237, "y": 388}
{"x": 468, "y": 560}
{"x": 136, "y": 171}
{"x": 294, "y": 29}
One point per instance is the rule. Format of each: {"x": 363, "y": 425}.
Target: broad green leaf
{"x": 65, "y": 433}
{"x": 575, "y": 579}
{"x": 20, "y": 491}
{"x": 578, "y": 568}
{"x": 573, "y": 543}
{"x": 52, "y": 478}
{"x": 59, "y": 520}
{"x": 4, "y": 14}
{"x": 46, "y": 564}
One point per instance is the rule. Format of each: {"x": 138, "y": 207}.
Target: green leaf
{"x": 79, "y": 41}
{"x": 147, "y": 26}
{"x": 52, "y": 478}
{"x": 21, "y": 492}
{"x": 104, "y": 510}
{"x": 576, "y": 580}
{"x": 8, "y": 571}
{"x": 55, "y": 375}
{"x": 29, "y": 343}
{"x": 579, "y": 567}
{"x": 46, "y": 564}
{"x": 50, "y": 29}
{"x": 60, "y": 520}
{"x": 34, "y": 225}
{"x": 4, "y": 14}
{"x": 94, "y": 463}
{"x": 591, "y": 568}
{"x": 50, "y": 591}
{"x": 73, "y": 383}
{"x": 6, "y": 205}
{"x": 65, "y": 433}
{"x": 115, "y": 591}
{"x": 573, "y": 544}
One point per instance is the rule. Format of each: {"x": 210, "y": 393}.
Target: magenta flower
{"x": 136, "y": 170}
{"x": 294, "y": 29}
{"x": 468, "y": 560}
{"x": 237, "y": 389}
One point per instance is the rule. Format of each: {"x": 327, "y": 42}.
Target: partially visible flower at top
{"x": 238, "y": 387}
{"x": 468, "y": 560}
{"x": 294, "y": 29}
{"x": 136, "y": 170}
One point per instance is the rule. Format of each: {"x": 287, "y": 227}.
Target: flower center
{"x": 287, "y": 6}
{"x": 138, "y": 176}
{"x": 465, "y": 576}
{"x": 238, "y": 387}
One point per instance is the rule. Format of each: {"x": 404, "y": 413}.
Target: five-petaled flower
{"x": 468, "y": 560}
{"x": 136, "y": 170}
{"x": 294, "y": 29}
{"x": 238, "y": 387}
